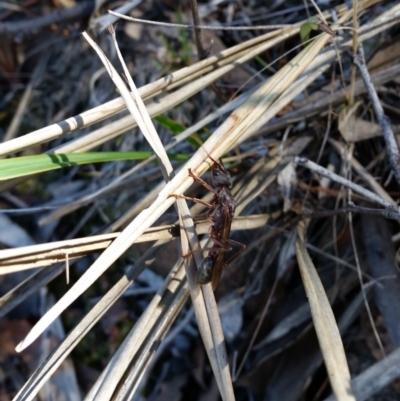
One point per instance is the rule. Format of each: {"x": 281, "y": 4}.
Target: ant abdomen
{"x": 204, "y": 272}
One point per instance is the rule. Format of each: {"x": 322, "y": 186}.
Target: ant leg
{"x": 209, "y": 205}
{"x": 221, "y": 245}
{"x": 236, "y": 255}
{"x": 202, "y": 182}
{"x": 200, "y": 218}
{"x": 207, "y": 217}
{"x": 210, "y": 249}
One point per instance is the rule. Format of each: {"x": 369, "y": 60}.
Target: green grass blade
{"x": 27, "y": 165}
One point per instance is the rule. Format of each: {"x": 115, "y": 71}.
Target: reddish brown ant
{"x": 221, "y": 211}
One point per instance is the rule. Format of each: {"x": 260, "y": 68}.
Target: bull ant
{"x": 221, "y": 211}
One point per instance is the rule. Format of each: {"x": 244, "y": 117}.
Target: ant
{"x": 221, "y": 211}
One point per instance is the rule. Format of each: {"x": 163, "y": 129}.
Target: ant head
{"x": 220, "y": 175}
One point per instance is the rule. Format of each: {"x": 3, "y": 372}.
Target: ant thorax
{"x": 226, "y": 199}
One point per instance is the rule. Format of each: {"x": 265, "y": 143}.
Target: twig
{"x": 20, "y": 29}
{"x": 303, "y": 161}
{"x": 209, "y": 27}
{"x": 389, "y": 214}
{"x": 17, "y": 119}
{"x": 383, "y": 120}
{"x": 197, "y": 31}
{"x": 355, "y": 45}
{"x": 352, "y": 208}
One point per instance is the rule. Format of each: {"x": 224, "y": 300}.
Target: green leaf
{"x": 170, "y": 124}
{"x": 176, "y": 129}
{"x": 310, "y": 25}
{"x": 27, "y": 165}
{"x": 263, "y": 63}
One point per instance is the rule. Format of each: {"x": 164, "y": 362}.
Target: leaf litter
{"x": 313, "y": 170}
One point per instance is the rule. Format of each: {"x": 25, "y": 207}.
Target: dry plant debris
{"x": 301, "y": 103}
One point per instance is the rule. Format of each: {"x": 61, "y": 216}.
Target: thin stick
{"x": 211, "y": 28}
{"x": 303, "y": 161}
{"x": 20, "y": 29}
{"x": 383, "y": 120}
{"x": 360, "y": 278}
{"x": 202, "y": 54}
{"x": 352, "y": 208}
{"x": 355, "y": 45}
